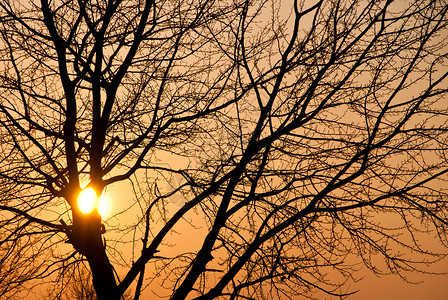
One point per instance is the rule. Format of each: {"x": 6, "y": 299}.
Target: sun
{"x": 88, "y": 200}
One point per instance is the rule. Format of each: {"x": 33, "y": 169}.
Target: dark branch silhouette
{"x": 269, "y": 149}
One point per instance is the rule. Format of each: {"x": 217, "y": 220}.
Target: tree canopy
{"x": 290, "y": 142}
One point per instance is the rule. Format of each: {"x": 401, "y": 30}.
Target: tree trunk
{"x": 86, "y": 237}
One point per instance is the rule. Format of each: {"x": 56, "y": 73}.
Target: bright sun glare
{"x": 88, "y": 201}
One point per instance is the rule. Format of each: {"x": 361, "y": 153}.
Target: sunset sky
{"x": 225, "y": 148}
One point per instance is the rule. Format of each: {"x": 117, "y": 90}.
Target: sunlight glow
{"x": 88, "y": 201}
{"x": 103, "y": 206}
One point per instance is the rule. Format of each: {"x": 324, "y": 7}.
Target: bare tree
{"x": 82, "y": 289}
{"x": 302, "y": 139}
{"x": 78, "y": 287}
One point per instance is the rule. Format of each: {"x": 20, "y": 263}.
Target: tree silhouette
{"x": 78, "y": 287}
{"x": 296, "y": 140}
